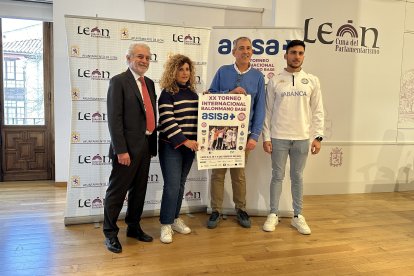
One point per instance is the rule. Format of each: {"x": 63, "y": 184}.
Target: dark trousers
{"x": 132, "y": 179}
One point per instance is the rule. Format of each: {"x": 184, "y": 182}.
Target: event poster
{"x": 223, "y": 129}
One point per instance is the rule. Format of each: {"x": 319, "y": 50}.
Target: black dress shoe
{"x": 113, "y": 245}
{"x": 138, "y": 234}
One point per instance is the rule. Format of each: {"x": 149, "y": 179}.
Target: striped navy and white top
{"x": 178, "y": 116}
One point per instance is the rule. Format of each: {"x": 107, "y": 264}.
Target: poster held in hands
{"x": 223, "y": 124}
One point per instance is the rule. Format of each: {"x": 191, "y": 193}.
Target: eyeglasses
{"x": 239, "y": 79}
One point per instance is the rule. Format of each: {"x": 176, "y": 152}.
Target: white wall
{"x": 209, "y": 13}
{"x": 26, "y": 10}
{"x": 287, "y": 14}
{"x": 361, "y": 97}
{"x": 367, "y": 166}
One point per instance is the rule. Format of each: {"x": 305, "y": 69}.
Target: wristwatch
{"x": 319, "y": 138}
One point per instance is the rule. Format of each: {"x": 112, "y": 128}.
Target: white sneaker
{"x": 166, "y": 233}
{"x": 180, "y": 227}
{"x": 270, "y": 223}
{"x": 300, "y": 224}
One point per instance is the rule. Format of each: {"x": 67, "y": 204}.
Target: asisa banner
{"x": 269, "y": 46}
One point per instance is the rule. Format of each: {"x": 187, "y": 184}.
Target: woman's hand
{"x": 191, "y": 144}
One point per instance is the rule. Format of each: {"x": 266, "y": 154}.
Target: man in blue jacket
{"x": 238, "y": 78}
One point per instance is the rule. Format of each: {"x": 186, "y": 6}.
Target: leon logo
{"x": 336, "y": 157}
{"x": 348, "y": 39}
{"x": 95, "y": 117}
{"x": 88, "y": 203}
{"x": 98, "y": 117}
{"x": 98, "y": 75}
{"x": 94, "y": 74}
{"x": 97, "y": 203}
{"x": 94, "y": 32}
{"x": 101, "y": 160}
{"x": 187, "y": 39}
{"x": 192, "y": 196}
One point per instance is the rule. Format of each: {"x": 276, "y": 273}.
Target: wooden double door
{"x": 27, "y": 140}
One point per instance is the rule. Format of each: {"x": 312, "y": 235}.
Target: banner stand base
{"x": 254, "y": 212}
{"x": 147, "y": 213}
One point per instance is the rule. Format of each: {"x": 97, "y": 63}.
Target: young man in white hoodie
{"x": 294, "y": 108}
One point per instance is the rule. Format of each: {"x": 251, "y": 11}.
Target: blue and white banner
{"x": 269, "y": 45}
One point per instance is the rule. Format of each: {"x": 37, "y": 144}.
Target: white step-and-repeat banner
{"x": 97, "y": 49}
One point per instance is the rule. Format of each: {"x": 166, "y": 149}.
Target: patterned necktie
{"x": 149, "y": 111}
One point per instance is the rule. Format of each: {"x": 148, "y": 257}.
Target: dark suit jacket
{"x": 126, "y": 116}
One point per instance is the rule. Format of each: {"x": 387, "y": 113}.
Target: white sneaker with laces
{"x": 166, "y": 233}
{"x": 270, "y": 223}
{"x": 180, "y": 227}
{"x": 300, "y": 224}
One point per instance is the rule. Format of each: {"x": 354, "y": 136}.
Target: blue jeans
{"x": 297, "y": 150}
{"x": 175, "y": 166}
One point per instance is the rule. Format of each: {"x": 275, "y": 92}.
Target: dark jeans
{"x": 175, "y": 166}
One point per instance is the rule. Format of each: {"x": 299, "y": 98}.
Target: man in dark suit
{"x": 131, "y": 121}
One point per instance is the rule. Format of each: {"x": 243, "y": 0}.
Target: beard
{"x": 295, "y": 65}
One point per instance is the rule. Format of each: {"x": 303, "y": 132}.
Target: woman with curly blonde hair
{"x": 178, "y": 108}
{"x": 168, "y": 80}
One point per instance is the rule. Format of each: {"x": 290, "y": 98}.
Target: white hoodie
{"x": 293, "y": 106}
